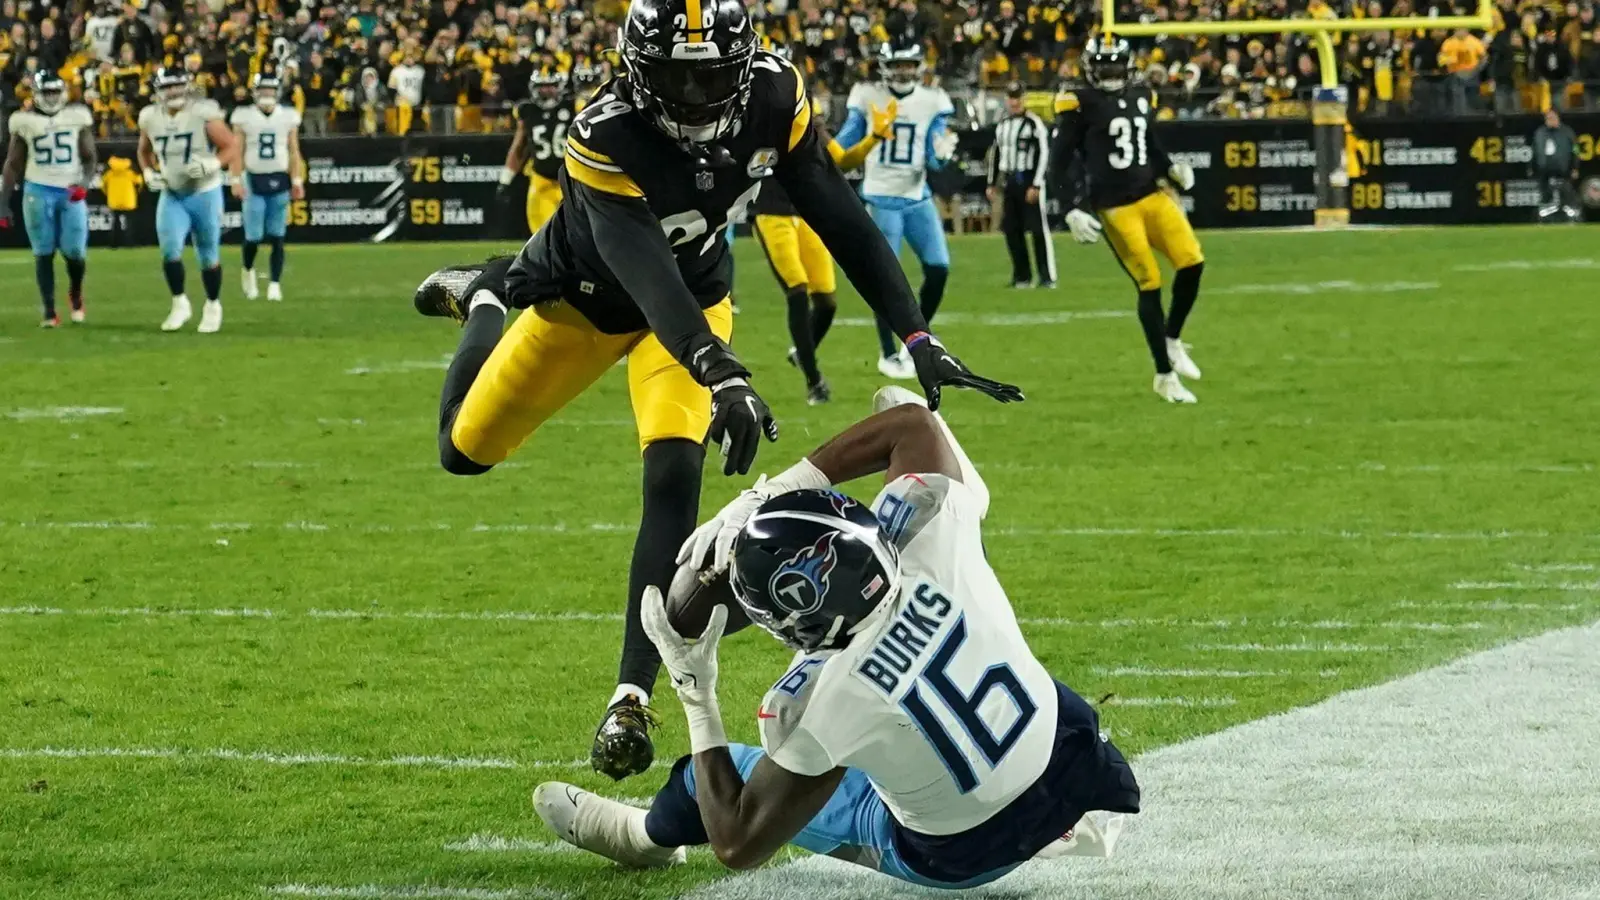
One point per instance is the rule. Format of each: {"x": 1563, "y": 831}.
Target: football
{"x": 692, "y": 596}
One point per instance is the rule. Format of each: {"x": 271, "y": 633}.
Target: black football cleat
{"x": 444, "y": 293}
{"x": 622, "y": 744}
{"x": 819, "y": 393}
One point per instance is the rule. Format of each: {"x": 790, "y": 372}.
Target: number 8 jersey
{"x": 940, "y": 703}
{"x": 1114, "y": 130}
{"x": 266, "y": 137}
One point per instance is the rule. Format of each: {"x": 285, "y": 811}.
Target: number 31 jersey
{"x": 1113, "y": 131}
{"x": 940, "y": 703}
{"x": 52, "y": 144}
{"x": 266, "y": 137}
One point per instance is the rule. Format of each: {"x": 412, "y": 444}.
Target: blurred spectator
{"x": 1552, "y": 67}
{"x": 1508, "y": 69}
{"x": 1589, "y": 70}
{"x": 1462, "y": 55}
{"x": 1555, "y": 163}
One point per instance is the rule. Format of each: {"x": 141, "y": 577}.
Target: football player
{"x": 184, "y": 145}
{"x": 1118, "y": 176}
{"x": 896, "y": 182}
{"x": 52, "y": 152}
{"x": 914, "y": 732}
{"x": 269, "y": 134}
{"x": 799, "y": 261}
{"x": 541, "y": 134}
{"x": 634, "y": 265}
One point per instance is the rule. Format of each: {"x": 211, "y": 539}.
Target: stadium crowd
{"x": 400, "y": 66}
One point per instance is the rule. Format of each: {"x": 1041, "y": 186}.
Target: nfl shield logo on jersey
{"x": 802, "y": 581}
{"x": 704, "y": 180}
{"x": 761, "y": 163}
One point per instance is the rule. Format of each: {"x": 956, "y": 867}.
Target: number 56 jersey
{"x": 940, "y": 702}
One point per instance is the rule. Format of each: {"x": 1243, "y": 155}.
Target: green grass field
{"x": 255, "y": 642}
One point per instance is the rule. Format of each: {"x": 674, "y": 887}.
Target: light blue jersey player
{"x": 269, "y": 138}
{"x": 183, "y": 147}
{"x": 895, "y": 185}
{"x": 52, "y": 148}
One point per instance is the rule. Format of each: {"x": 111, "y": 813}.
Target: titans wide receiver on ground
{"x": 542, "y": 122}
{"x": 52, "y": 151}
{"x": 634, "y": 265}
{"x": 914, "y": 733}
{"x": 1110, "y": 127}
{"x": 183, "y": 147}
{"x": 896, "y": 183}
{"x": 269, "y": 138}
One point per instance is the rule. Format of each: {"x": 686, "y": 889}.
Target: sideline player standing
{"x": 896, "y": 182}
{"x": 542, "y": 122}
{"x": 634, "y": 265}
{"x": 52, "y": 150}
{"x": 183, "y": 147}
{"x": 1110, "y": 125}
{"x": 269, "y": 138}
{"x": 914, "y": 733}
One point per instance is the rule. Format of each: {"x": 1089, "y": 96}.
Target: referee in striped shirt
{"x": 1017, "y": 166}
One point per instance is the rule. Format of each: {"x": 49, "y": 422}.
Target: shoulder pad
{"x": 783, "y": 707}
{"x": 1066, "y": 101}
{"x": 859, "y": 95}
{"x": 905, "y": 506}
{"x": 17, "y": 120}
{"x": 597, "y": 140}
{"x": 779, "y": 83}
{"x": 207, "y": 109}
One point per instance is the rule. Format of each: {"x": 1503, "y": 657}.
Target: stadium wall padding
{"x": 1248, "y": 174}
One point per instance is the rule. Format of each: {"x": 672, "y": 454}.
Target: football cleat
{"x": 1022, "y": 285}
{"x": 247, "y": 283}
{"x": 180, "y": 314}
{"x": 602, "y": 826}
{"x": 1047, "y": 285}
{"x": 274, "y": 292}
{"x": 77, "y": 315}
{"x": 444, "y": 293}
{"x": 210, "y": 317}
{"x": 898, "y": 367}
{"x": 622, "y": 744}
{"x": 51, "y": 321}
{"x": 1178, "y": 355}
{"x": 819, "y": 393}
{"x": 1170, "y": 389}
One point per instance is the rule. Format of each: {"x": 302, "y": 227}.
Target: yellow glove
{"x": 883, "y": 119}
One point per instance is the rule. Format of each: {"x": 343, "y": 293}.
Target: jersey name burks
{"x": 179, "y": 138}
{"x": 546, "y": 131}
{"x": 613, "y": 149}
{"x": 1114, "y": 132}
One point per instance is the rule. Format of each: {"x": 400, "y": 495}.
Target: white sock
{"x": 181, "y": 298}
{"x": 484, "y": 295}
{"x": 625, "y": 689}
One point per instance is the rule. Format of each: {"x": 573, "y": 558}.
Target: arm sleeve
{"x": 1158, "y": 154}
{"x": 1042, "y": 137}
{"x": 824, "y": 199}
{"x": 935, "y": 128}
{"x": 634, "y": 249}
{"x": 854, "y": 130}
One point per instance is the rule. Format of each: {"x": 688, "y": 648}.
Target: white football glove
{"x": 944, "y": 146}
{"x": 1084, "y": 227}
{"x": 1181, "y": 175}
{"x": 201, "y": 169}
{"x": 692, "y": 665}
{"x": 712, "y": 542}
{"x": 154, "y": 180}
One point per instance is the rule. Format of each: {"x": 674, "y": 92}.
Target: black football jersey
{"x": 545, "y": 131}
{"x": 614, "y": 154}
{"x": 1114, "y": 136}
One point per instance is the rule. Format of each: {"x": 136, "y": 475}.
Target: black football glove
{"x": 739, "y": 417}
{"x": 937, "y": 368}
{"x": 502, "y": 195}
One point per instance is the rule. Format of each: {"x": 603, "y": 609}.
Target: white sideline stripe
{"x": 63, "y": 412}
{"x": 279, "y": 759}
{"x": 470, "y": 616}
{"x": 1582, "y": 586}
{"x": 1143, "y": 672}
{"x": 1296, "y": 647}
{"x": 1326, "y": 287}
{"x": 1392, "y": 790}
{"x": 494, "y": 843}
{"x": 404, "y": 365}
{"x": 411, "y": 892}
{"x": 1196, "y": 702}
{"x": 1520, "y": 265}
{"x": 1491, "y": 606}
{"x": 1556, "y": 567}
{"x": 1044, "y": 317}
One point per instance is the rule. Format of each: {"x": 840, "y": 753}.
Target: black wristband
{"x": 711, "y": 361}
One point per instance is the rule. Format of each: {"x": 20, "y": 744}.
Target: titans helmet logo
{"x": 801, "y": 583}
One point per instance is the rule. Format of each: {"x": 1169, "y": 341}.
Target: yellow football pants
{"x": 551, "y": 354}
{"x": 1154, "y": 221}
{"x": 544, "y": 195}
{"x": 796, "y": 254}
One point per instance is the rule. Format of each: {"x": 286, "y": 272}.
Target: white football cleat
{"x": 210, "y": 317}
{"x": 1095, "y": 835}
{"x": 893, "y": 395}
{"x": 601, "y": 826}
{"x": 1178, "y": 355}
{"x": 77, "y": 315}
{"x": 247, "y": 282}
{"x": 1170, "y": 389}
{"x": 180, "y": 315}
{"x": 899, "y": 367}
{"x": 275, "y": 294}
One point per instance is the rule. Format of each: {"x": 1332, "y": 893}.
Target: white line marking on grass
{"x": 226, "y": 754}
{"x": 412, "y": 892}
{"x": 1326, "y": 287}
{"x": 1556, "y": 567}
{"x": 63, "y": 413}
{"x": 1045, "y": 317}
{"x": 1296, "y": 647}
{"x": 470, "y": 615}
{"x": 1145, "y": 672}
{"x": 1491, "y": 606}
{"x": 1581, "y": 586}
{"x": 1391, "y": 791}
{"x": 494, "y": 843}
{"x": 404, "y": 365}
{"x": 1523, "y": 265}
{"x": 1195, "y": 702}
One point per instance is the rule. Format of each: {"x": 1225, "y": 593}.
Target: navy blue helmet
{"x": 49, "y": 92}
{"x": 901, "y": 68}
{"x": 172, "y": 84}
{"x": 810, "y": 566}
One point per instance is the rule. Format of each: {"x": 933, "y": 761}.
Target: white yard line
{"x": 1528, "y": 265}
{"x": 1581, "y": 586}
{"x": 62, "y": 413}
{"x": 1490, "y": 606}
{"x": 1145, "y": 672}
{"x": 1195, "y": 702}
{"x": 411, "y": 892}
{"x": 1295, "y": 647}
{"x": 303, "y": 758}
{"x": 1475, "y": 779}
{"x": 494, "y": 843}
{"x": 1556, "y": 567}
{"x": 1043, "y": 317}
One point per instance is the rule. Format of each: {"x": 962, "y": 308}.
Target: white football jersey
{"x": 940, "y": 702}
{"x": 180, "y": 138}
{"x": 52, "y": 144}
{"x": 898, "y": 167}
{"x": 266, "y": 137}
{"x": 102, "y": 34}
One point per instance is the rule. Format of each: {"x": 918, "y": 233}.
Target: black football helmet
{"x": 1107, "y": 63}
{"x": 547, "y": 88}
{"x": 811, "y": 566}
{"x": 688, "y": 65}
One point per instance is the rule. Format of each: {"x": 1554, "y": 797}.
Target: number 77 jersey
{"x": 940, "y": 702}
{"x": 1113, "y": 130}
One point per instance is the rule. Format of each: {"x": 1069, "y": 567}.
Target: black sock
{"x": 823, "y": 306}
{"x": 885, "y": 340}
{"x": 674, "y": 816}
{"x": 173, "y": 269}
{"x": 250, "y": 248}
{"x": 275, "y": 262}
{"x": 805, "y": 350}
{"x": 1153, "y": 323}
{"x": 44, "y": 271}
{"x": 1185, "y": 290}
{"x": 932, "y": 292}
{"x": 75, "y": 271}
{"x": 211, "y": 281}
{"x": 671, "y": 503}
{"x": 484, "y": 325}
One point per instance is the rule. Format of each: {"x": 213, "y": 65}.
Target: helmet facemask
{"x": 903, "y": 75}
{"x": 1108, "y": 68}
{"x": 691, "y": 97}
{"x": 266, "y": 98}
{"x": 547, "y": 93}
{"x": 174, "y": 95}
{"x": 50, "y": 96}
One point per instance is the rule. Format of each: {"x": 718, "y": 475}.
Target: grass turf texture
{"x": 1391, "y": 465}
